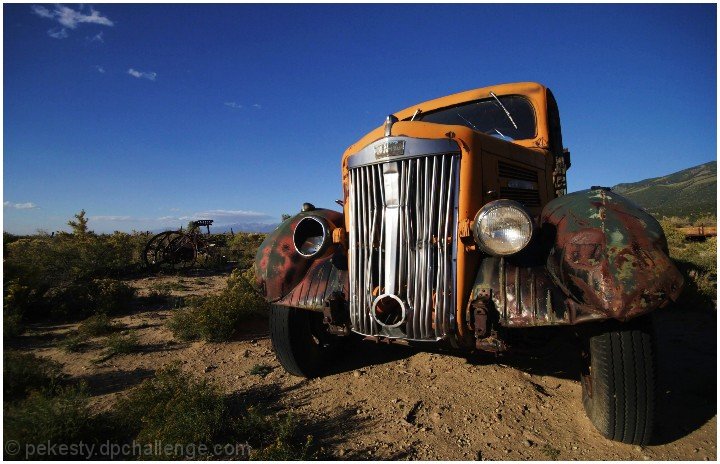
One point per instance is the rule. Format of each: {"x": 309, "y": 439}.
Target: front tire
{"x": 618, "y": 385}
{"x": 300, "y": 340}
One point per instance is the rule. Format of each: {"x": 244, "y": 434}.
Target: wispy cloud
{"x": 114, "y": 218}
{"x": 220, "y": 216}
{"x": 225, "y": 216}
{"x": 99, "y": 69}
{"x": 57, "y": 33}
{"x": 234, "y": 105}
{"x": 257, "y": 106}
{"x": 28, "y": 205}
{"x": 142, "y": 74}
{"x": 69, "y": 18}
{"x": 97, "y": 38}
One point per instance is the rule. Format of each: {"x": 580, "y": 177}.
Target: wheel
{"x": 181, "y": 252}
{"x": 300, "y": 340}
{"x": 154, "y": 253}
{"x": 618, "y": 385}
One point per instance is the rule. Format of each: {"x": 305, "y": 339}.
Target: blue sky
{"x": 146, "y": 116}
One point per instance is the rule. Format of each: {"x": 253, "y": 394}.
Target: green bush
{"x": 46, "y": 417}
{"x": 113, "y": 296}
{"x": 12, "y": 325}
{"x": 275, "y": 438}
{"x": 66, "y": 275}
{"x": 218, "y": 317}
{"x": 261, "y": 370}
{"x": 173, "y": 407}
{"x": 96, "y": 325}
{"x": 73, "y": 343}
{"x": 117, "y": 344}
{"x": 242, "y": 248}
{"x": 697, "y": 261}
{"x": 122, "y": 343}
{"x": 23, "y": 372}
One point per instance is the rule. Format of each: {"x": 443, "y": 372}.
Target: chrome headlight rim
{"x": 492, "y": 206}
{"x": 324, "y": 229}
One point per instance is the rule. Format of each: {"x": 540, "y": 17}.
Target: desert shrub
{"x": 73, "y": 342}
{"x": 67, "y": 301}
{"x": 12, "y": 325}
{"x": 174, "y": 407}
{"x": 261, "y": 370}
{"x": 95, "y": 326}
{"x": 47, "y": 417}
{"x": 218, "y": 317}
{"x": 63, "y": 275}
{"x": 113, "y": 296}
{"x": 122, "y": 343}
{"x": 697, "y": 261}
{"x": 242, "y": 248}
{"x": 23, "y": 372}
{"x": 117, "y": 344}
{"x": 18, "y": 298}
{"x": 275, "y": 438}
{"x": 75, "y": 299}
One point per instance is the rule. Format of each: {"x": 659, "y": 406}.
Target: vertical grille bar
{"x": 402, "y": 221}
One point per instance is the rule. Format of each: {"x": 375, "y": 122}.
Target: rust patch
{"x": 279, "y": 268}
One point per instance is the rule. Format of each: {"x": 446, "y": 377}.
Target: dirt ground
{"x": 394, "y": 402}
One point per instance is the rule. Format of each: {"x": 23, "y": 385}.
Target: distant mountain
{"x": 250, "y": 227}
{"x": 690, "y": 192}
{"x": 256, "y": 227}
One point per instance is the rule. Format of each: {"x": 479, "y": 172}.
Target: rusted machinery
{"x": 178, "y": 249}
{"x": 698, "y": 233}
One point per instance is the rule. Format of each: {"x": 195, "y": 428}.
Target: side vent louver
{"x": 529, "y": 197}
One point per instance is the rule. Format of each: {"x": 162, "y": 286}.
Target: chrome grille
{"x": 403, "y": 229}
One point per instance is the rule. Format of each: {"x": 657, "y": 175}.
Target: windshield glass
{"x": 489, "y": 117}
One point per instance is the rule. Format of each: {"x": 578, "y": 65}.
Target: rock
{"x": 341, "y": 452}
{"x": 527, "y": 443}
{"x": 436, "y": 417}
{"x": 638, "y": 448}
{"x": 357, "y": 374}
{"x": 574, "y": 448}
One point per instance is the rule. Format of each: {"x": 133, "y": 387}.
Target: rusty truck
{"x": 457, "y": 230}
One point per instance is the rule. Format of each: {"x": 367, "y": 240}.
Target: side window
{"x": 556, "y": 145}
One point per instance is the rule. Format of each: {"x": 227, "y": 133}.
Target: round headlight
{"x": 311, "y": 236}
{"x": 502, "y": 227}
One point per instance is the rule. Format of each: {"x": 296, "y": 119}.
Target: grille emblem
{"x": 387, "y": 149}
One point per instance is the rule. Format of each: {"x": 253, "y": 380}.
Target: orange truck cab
{"x": 457, "y": 230}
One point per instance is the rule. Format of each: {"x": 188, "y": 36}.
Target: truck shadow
{"x": 686, "y": 346}
{"x": 687, "y": 371}
{"x": 356, "y": 353}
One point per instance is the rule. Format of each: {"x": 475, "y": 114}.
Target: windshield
{"x": 489, "y": 117}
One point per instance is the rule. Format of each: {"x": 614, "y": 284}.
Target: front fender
{"x": 286, "y": 277}
{"x": 609, "y": 254}
{"x": 598, "y": 256}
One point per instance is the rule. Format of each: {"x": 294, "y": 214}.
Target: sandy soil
{"x": 393, "y": 402}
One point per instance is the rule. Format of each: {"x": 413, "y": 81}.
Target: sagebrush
{"x": 218, "y": 317}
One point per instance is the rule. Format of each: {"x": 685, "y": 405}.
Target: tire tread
{"x": 623, "y": 394}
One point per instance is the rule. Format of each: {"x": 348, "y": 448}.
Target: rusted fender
{"x": 608, "y": 255}
{"x": 280, "y": 269}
